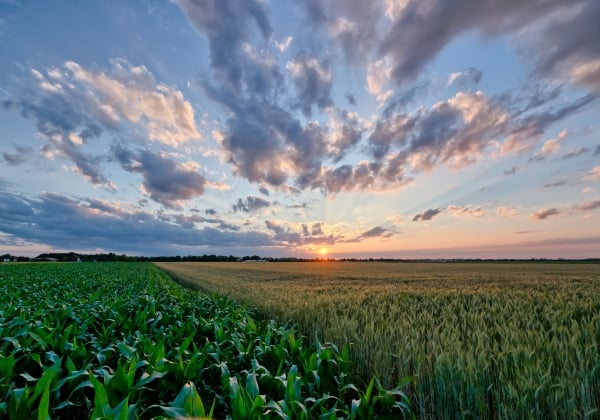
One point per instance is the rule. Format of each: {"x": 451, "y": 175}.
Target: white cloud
{"x": 468, "y": 211}
{"x": 552, "y": 146}
{"x": 284, "y": 44}
{"x": 133, "y": 94}
{"x": 594, "y": 173}
{"x": 379, "y": 74}
{"x": 506, "y": 211}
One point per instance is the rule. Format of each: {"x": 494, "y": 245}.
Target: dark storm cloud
{"x": 165, "y": 181}
{"x": 250, "y": 204}
{"x": 18, "y": 157}
{"x": 426, "y": 215}
{"x": 313, "y": 80}
{"x": 544, "y": 214}
{"x": 65, "y": 223}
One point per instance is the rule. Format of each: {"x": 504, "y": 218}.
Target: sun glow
{"x": 323, "y": 251}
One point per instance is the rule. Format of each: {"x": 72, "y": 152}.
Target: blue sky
{"x": 317, "y": 127}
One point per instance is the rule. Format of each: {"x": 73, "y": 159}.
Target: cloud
{"x": 564, "y": 44}
{"x": 290, "y": 236}
{"x": 131, "y": 93}
{"x": 575, "y": 153}
{"x": 412, "y": 44}
{"x": 263, "y": 191}
{"x": 550, "y": 147}
{"x": 18, "y": 157}
{"x": 210, "y": 212}
{"x": 351, "y": 25}
{"x": 597, "y": 151}
{"x": 469, "y": 78}
{"x": 513, "y": 170}
{"x": 228, "y": 25}
{"x": 73, "y": 106}
{"x": 594, "y": 174}
{"x": 555, "y": 184}
{"x": 426, "y": 215}
{"x": 313, "y": 80}
{"x": 544, "y": 214}
{"x": 250, "y": 204}
{"x": 67, "y": 223}
{"x": 506, "y": 211}
{"x": 469, "y": 211}
{"x": 165, "y": 181}
{"x": 588, "y": 205}
{"x": 455, "y": 131}
{"x": 375, "y": 232}
{"x": 284, "y": 44}
{"x": 346, "y": 131}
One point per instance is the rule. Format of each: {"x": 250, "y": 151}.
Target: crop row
{"x": 123, "y": 341}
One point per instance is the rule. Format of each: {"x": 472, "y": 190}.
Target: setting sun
{"x": 323, "y": 251}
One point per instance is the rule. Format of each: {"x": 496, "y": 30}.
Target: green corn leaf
{"x": 126, "y": 350}
{"x": 252, "y": 385}
{"x": 238, "y": 403}
{"x": 121, "y": 411}
{"x": 354, "y": 406}
{"x": 102, "y": 407}
{"x": 7, "y": 365}
{"x": 17, "y": 403}
{"x": 47, "y": 377}
{"x": 189, "y": 400}
{"x": 366, "y": 399}
{"x": 44, "y": 407}
{"x": 38, "y": 339}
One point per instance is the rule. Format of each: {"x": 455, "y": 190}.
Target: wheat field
{"x": 480, "y": 340}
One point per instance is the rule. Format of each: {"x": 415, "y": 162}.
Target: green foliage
{"x": 122, "y": 341}
{"x": 487, "y": 340}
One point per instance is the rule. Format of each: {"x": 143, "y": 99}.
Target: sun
{"x": 323, "y": 251}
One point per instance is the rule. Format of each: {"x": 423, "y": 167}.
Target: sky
{"x": 307, "y": 128}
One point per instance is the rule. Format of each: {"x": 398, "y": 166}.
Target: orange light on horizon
{"x": 323, "y": 251}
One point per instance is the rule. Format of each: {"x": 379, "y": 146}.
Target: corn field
{"x": 488, "y": 340}
{"x": 122, "y": 341}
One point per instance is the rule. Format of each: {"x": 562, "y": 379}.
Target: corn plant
{"x": 122, "y": 341}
